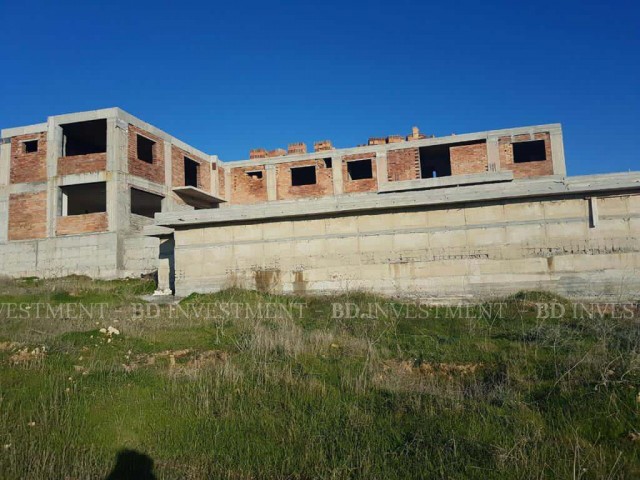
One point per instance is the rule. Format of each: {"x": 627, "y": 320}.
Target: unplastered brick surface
{"x": 246, "y": 188}
{"x": 365, "y": 185}
{"x": 403, "y": 164}
{"x": 93, "y": 162}
{"x": 177, "y": 169}
{"x": 467, "y": 159}
{"x": 322, "y": 187}
{"x": 87, "y": 223}
{"x": 28, "y": 167}
{"x": 527, "y": 169}
{"x": 27, "y": 216}
{"x": 151, "y": 171}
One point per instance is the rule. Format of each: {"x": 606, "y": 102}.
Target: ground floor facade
{"x": 576, "y": 237}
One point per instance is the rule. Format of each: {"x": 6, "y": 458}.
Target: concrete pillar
{"x": 272, "y": 189}
{"x": 5, "y": 166}
{"x": 381, "y": 168}
{"x": 166, "y": 267}
{"x": 118, "y": 195}
{"x": 593, "y": 212}
{"x": 214, "y": 176}
{"x": 493, "y": 155}
{"x": 227, "y": 186}
{"x": 168, "y": 165}
{"x": 54, "y": 152}
{"x": 336, "y": 166}
{"x": 557, "y": 153}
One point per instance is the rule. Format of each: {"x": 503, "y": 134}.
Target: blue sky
{"x": 227, "y": 77}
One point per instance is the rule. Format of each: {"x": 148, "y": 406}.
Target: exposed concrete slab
{"x": 451, "y": 181}
{"x": 196, "y": 197}
{"x": 520, "y": 189}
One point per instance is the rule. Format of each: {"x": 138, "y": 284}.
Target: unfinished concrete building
{"x": 460, "y": 216}
{"x": 76, "y": 191}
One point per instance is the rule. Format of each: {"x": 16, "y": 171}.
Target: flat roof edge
{"x": 370, "y": 202}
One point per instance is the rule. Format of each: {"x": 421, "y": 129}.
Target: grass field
{"x": 298, "y": 390}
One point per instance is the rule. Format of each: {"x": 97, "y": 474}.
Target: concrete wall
{"x": 94, "y": 255}
{"x": 474, "y": 250}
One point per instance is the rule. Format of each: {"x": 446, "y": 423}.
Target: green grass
{"x": 455, "y": 395}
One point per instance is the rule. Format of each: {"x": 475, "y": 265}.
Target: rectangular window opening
{"x": 303, "y": 176}
{"x": 83, "y": 138}
{"x": 145, "y": 203}
{"x": 83, "y": 198}
{"x": 532, "y": 151}
{"x": 360, "y": 169}
{"x": 145, "y": 149}
{"x": 31, "y": 146}
{"x": 256, "y": 174}
{"x": 190, "y": 172}
{"x": 435, "y": 161}
{"x": 328, "y": 163}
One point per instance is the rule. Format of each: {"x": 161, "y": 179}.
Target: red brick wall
{"x": 87, "y": 223}
{"x": 151, "y": 171}
{"x": 322, "y": 187}
{"x": 28, "y": 167}
{"x": 470, "y": 158}
{"x": 365, "y": 185}
{"x": 93, "y": 162}
{"x": 177, "y": 169}
{"x": 27, "y": 216}
{"x": 403, "y": 164}
{"x": 245, "y": 189}
{"x": 528, "y": 169}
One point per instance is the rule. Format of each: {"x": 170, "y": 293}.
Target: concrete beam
{"x": 370, "y": 202}
{"x": 451, "y": 181}
{"x": 465, "y": 137}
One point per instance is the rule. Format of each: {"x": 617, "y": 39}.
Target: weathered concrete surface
{"x": 469, "y": 244}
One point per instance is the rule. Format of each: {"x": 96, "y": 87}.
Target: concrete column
{"x": 272, "y": 189}
{"x": 54, "y": 152}
{"x": 214, "y": 176}
{"x": 381, "y": 168}
{"x": 5, "y": 166}
{"x": 493, "y": 155}
{"x": 166, "y": 268}
{"x": 593, "y": 212}
{"x": 557, "y": 153}
{"x": 118, "y": 195}
{"x": 227, "y": 186}
{"x": 336, "y": 166}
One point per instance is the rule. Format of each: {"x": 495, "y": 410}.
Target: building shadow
{"x": 132, "y": 465}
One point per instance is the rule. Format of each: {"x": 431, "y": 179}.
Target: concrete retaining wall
{"x": 94, "y": 255}
{"x": 569, "y": 245}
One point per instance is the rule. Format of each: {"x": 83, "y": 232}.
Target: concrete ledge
{"x": 370, "y": 202}
{"x": 196, "y": 197}
{"x": 156, "y": 231}
{"x": 451, "y": 181}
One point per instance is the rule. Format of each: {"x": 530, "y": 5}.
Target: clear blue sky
{"x": 227, "y": 77}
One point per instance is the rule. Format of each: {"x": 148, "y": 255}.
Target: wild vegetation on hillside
{"x": 244, "y": 385}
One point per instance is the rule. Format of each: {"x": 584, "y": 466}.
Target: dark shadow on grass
{"x": 132, "y": 465}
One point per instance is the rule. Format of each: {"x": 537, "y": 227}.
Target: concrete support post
{"x": 54, "y": 152}
{"x": 227, "y": 186}
{"x": 336, "y": 166}
{"x": 593, "y": 212}
{"x": 381, "y": 168}
{"x": 214, "y": 177}
{"x": 5, "y": 167}
{"x": 493, "y": 155}
{"x": 272, "y": 192}
{"x": 118, "y": 195}
{"x": 557, "y": 153}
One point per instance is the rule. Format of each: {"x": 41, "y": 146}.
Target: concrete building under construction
{"x": 105, "y": 194}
